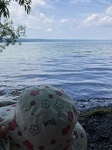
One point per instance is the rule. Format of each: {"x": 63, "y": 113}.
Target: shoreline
{"x": 97, "y": 123}
{"x": 90, "y": 104}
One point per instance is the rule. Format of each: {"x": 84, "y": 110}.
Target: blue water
{"x": 81, "y": 68}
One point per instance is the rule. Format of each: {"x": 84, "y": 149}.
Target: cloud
{"x": 99, "y": 19}
{"x": 91, "y": 19}
{"x": 106, "y": 19}
{"x": 49, "y": 30}
{"x": 64, "y": 21}
{"x": 80, "y": 1}
{"x": 92, "y": 1}
{"x": 35, "y": 20}
{"x": 17, "y": 13}
{"x": 103, "y": 1}
{"x": 57, "y": 1}
{"x": 38, "y": 21}
{"x": 54, "y": 21}
{"x": 109, "y": 11}
{"x": 39, "y": 2}
{"x": 45, "y": 19}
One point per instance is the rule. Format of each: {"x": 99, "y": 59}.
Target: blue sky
{"x": 66, "y": 19}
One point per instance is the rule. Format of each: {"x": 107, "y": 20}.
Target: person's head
{"x": 44, "y": 119}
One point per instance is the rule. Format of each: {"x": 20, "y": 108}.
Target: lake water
{"x": 82, "y": 68}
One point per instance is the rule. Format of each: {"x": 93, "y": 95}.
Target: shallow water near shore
{"x": 82, "y": 68}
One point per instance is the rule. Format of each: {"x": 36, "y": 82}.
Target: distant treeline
{"x": 58, "y": 40}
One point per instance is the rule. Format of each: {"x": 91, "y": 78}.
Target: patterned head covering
{"x": 44, "y": 119}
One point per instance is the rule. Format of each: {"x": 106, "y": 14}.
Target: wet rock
{"x": 98, "y": 129}
{"x": 103, "y": 137}
{"x": 2, "y": 93}
{"x": 15, "y": 93}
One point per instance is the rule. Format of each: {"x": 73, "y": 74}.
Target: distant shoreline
{"x": 60, "y": 40}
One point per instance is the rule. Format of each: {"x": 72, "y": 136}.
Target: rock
{"x": 103, "y": 137}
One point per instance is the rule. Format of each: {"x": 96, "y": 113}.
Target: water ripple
{"x": 83, "y": 69}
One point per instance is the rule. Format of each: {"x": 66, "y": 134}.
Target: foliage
{"x": 8, "y": 33}
{"x": 4, "y": 11}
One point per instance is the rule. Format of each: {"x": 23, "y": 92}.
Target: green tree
{"x": 8, "y": 33}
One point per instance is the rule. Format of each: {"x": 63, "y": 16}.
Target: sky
{"x": 65, "y": 19}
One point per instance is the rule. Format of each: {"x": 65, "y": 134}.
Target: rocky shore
{"x": 97, "y": 123}
{"x": 98, "y": 126}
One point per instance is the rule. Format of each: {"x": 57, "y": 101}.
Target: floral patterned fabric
{"x": 45, "y": 118}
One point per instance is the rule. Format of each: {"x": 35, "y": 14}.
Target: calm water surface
{"x": 81, "y": 68}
